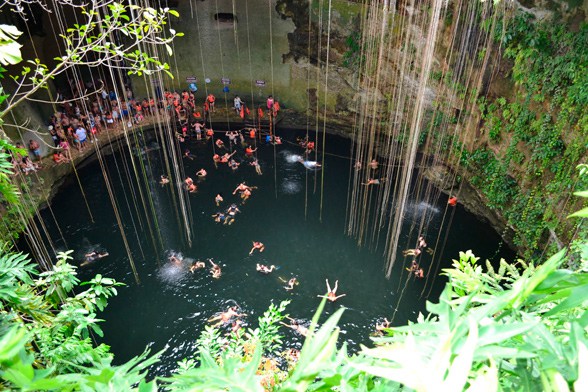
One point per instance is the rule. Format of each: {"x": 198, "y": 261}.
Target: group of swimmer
{"x": 215, "y": 269}
{"x": 414, "y": 267}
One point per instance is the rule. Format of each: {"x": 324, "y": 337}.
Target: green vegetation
{"x": 542, "y": 131}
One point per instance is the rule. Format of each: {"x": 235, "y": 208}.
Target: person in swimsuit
{"x": 257, "y": 245}
{"x": 225, "y": 317}
{"x": 296, "y": 326}
{"x": 332, "y": 294}
{"x": 264, "y": 269}
{"x": 92, "y": 257}
{"x": 215, "y": 270}
{"x": 291, "y": 283}
{"x": 196, "y": 265}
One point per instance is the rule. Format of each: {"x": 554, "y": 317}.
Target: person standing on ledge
{"x": 452, "y": 201}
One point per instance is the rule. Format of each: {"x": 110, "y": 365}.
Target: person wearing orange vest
{"x": 252, "y": 133}
{"x": 276, "y": 108}
{"x": 249, "y": 151}
{"x": 260, "y": 112}
{"x": 210, "y": 100}
{"x": 452, "y": 201}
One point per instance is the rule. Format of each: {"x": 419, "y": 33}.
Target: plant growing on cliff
{"x": 541, "y": 131}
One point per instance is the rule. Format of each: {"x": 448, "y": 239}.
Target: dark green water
{"x": 170, "y": 306}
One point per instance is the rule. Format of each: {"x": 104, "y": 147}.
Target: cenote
{"x": 170, "y": 306}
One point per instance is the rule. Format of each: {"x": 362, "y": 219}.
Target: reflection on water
{"x": 171, "y": 305}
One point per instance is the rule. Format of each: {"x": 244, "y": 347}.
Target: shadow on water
{"x": 171, "y": 305}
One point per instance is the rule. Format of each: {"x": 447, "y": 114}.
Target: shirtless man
{"x": 225, "y": 158}
{"x": 201, "y": 173}
{"x": 196, "y": 265}
{"x": 218, "y": 199}
{"x": 163, "y": 180}
{"x": 332, "y": 294}
{"x": 215, "y": 270}
{"x": 245, "y": 195}
{"x": 257, "y": 245}
{"x": 296, "y": 326}
{"x": 264, "y": 269}
{"x": 241, "y": 187}
{"x": 92, "y": 257}
{"x": 225, "y": 317}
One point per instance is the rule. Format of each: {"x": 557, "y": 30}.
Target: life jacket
{"x": 276, "y": 107}
{"x": 247, "y": 111}
{"x": 248, "y": 151}
{"x": 252, "y": 134}
{"x": 211, "y": 98}
{"x": 197, "y": 114}
{"x": 209, "y": 132}
{"x": 206, "y": 106}
{"x": 310, "y": 145}
{"x": 452, "y": 201}
{"x": 242, "y": 112}
{"x": 260, "y": 112}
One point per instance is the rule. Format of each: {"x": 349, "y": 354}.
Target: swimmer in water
{"x": 241, "y": 187}
{"x": 291, "y": 283}
{"x": 201, "y": 173}
{"x": 192, "y": 188}
{"x": 225, "y": 158}
{"x": 92, "y": 257}
{"x": 421, "y": 242}
{"x": 296, "y": 326}
{"x": 245, "y": 195}
{"x": 381, "y": 327}
{"x": 218, "y": 199}
{"x": 215, "y": 270}
{"x": 196, "y": 265}
{"x": 411, "y": 252}
{"x": 332, "y": 294}
{"x": 257, "y": 245}
{"x": 264, "y": 269}
{"x": 310, "y": 164}
{"x": 174, "y": 259}
{"x": 255, "y": 163}
{"x": 232, "y": 210}
{"x": 163, "y": 180}
{"x": 219, "y": 217}
{"x": 233, "y": 164}
{"x": 374, "y": 181}
{"x": 225, "y": 317}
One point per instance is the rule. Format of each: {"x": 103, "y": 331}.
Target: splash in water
{"x": 174, "y": 268}
{"x": 292, "y": 158}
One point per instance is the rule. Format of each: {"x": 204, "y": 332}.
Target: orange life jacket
{"x": 252, "y": 134}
